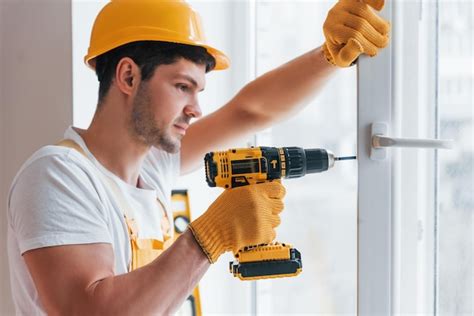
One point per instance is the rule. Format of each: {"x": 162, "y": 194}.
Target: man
{"x": 89, "y": 219}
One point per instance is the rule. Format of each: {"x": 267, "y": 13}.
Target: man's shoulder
{"x": 52, "y": 155}
{"x": 55, "y": 199}
{"x": 55, "y": 170}
{"x": 52, "y": 160}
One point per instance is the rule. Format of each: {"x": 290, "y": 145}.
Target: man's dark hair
{"x": 147, "y": 55}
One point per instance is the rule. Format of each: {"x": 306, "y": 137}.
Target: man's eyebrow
{"x": 190, "y": 79}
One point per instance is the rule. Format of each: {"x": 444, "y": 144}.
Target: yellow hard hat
{"x": 125, "y": 21}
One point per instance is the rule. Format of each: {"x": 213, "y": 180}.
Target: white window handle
{"x": 379, "y": 142}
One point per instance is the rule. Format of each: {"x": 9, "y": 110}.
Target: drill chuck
{"x": 303, "y": 161}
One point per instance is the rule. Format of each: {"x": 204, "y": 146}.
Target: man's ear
{"x": 127, "y": 75}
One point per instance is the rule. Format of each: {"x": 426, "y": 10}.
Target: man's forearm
{"x": 158, "y": 288}
{"x": 272, "y": 96}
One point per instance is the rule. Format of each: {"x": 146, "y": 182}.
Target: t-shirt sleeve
{"x": 55, "y": 201}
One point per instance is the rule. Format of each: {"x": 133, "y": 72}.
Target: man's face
{"x": 164, "y": 105}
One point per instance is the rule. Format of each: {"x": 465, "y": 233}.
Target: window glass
{"x": 320, "y": 209}
{"x": 455, "y": 185}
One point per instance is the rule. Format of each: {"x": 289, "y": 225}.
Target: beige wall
{"x": 35, "y": 93}
{"x": 5, "y": 304}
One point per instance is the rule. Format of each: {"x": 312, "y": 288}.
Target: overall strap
{"x": 143, "y": 250}
{"x": 123, "y": 204}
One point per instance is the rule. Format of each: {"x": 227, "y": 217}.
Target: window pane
{"x": 320, "y": 210}
{"x": 456, "y": 202}
{"x": 433, "y": 189}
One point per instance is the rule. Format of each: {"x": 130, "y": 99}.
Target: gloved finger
{"x": 376, "y": 4}
{"x": 368, "y": 31}
{"x": 277, "y": 206}
{"x": 345, "y": 34}
{"x": 275, "y": 221}
{"x": 275, "y": 190}
{"x": 360, "y": 9}
{"x": 346, "y": 55}
{"x": 266, "y": 237}
{"x": 349, "y": 52}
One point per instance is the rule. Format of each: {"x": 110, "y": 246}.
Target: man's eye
{"x": 182, "y": 87}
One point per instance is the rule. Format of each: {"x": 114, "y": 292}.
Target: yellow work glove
{"x": 240, "y": 217}
{"x": 352, "y": 28}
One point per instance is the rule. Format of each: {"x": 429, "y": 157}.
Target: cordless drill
{"x": 246, "y": 166}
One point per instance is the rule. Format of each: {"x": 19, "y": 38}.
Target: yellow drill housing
{"x": 247, "y": 166}
{"x": 235, "y": 167}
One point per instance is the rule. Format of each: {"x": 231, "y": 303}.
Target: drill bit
{"x": 345, "y": 158}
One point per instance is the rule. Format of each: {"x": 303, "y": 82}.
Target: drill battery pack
{"x": 276, "y": 260}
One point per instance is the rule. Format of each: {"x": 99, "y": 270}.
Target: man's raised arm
{"x": 351, "y": 29}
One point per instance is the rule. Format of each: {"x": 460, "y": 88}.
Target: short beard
{"x": 143, "y": 126}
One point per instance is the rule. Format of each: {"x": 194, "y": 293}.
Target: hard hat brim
{"x": 222, "y": 61}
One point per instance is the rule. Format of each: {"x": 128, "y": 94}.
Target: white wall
{"x": 35, "y": 93}
{"x": 5, "y": 304}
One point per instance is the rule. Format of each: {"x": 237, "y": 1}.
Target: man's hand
{"x": 240, "y": 217}
{"x": 352, "y": 28}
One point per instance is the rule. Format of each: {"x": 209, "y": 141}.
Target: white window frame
{"x": 374, "y": 268}
{"x": 396, "y": 218}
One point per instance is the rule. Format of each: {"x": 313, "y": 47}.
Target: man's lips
{"x": 181, "y": 128}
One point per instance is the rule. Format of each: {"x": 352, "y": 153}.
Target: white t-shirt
{"x": 58, "y": 198}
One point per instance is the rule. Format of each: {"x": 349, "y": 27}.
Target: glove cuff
{"x": 208, "y": 237}
{"x": 327, "y": 54}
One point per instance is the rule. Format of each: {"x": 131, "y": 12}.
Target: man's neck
{"x": 108, "y": 139}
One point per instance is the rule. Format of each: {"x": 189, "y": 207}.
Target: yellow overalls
{"x": 144, "y": 251}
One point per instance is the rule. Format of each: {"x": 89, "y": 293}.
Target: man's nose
{"x": 193, "y": 109}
